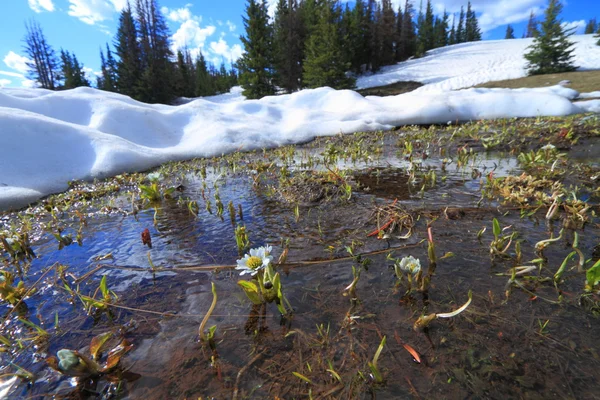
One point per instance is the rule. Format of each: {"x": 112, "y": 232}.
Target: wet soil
{"x": 330, "y": 205}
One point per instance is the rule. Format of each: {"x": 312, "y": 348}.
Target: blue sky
{"x": 83, "y": 26}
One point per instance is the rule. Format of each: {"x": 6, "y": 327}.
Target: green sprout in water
{"x": 241, "y": 238}
{"x": 376, "y": 373}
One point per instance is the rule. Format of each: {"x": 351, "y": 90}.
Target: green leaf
{"x": 251, "y": 291}
{"x": 104, "y": 288}
{"x": 497, "y": 231}
{"x": 299, "y": 375}
{"x": 592, "y": 275}
{"x": 98, "y": 343}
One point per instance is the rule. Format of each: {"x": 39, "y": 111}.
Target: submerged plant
{"x": 9, "y": 293}
{"x": 409, "y": 266}
{"x": 425, "y": 320}
{"x": 265, "y": 286}
{"x": 209, "y": 337}
{"x": 73, "y": 363}
{"x": 241, "y": 239}
{"x": 376, "y": 373}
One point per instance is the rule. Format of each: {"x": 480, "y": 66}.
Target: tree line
{"x": 140, "y": 65}
{"x": 314, "y": 43}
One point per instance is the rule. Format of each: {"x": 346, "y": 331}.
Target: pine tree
{"x": 551, "y": 51}
{"x": 108, "y": 80}
{"x": 288, "y": 45}
{"x": 598, "y": 36}
{"x": 426, "y": 37}
{"x": 472, "y": 31}
{"x": 129, "y": 64}
{"x": 374, "y": 43}
{"x": 387, "y": 32}
{"x": 398, "y": 56}
{"x": 256, "y": 64}
{"x": 452, "y": 36}
{"x": 591, "y": 27}
{"x": 44, "y": 67}
{"x": 324, "y": 64}
{"x": 510, "y": 32}
{"x": 156, "y": 84}
{"x": 460, "y": 30}
{"x": 441, "y": 31}
{"x": 408, "y": 36}
{"x": 184, "y": 76}
{"x": 72, "y": 71}
{"x": 532, "y": 26}
{"x": 204, "y": 84}
{"x": 358, "y": 38}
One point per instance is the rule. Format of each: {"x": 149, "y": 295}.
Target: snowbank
{"x": 470, "y": 64}
{"x": 49, "y": 138}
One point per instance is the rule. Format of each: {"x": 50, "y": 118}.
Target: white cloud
{"x": 231, "y": 26}
{"x": 221, "y": 50}
{"x": 5, "y": 82}
{"x": 16, "y": 62}
{"x": 180, "y": 14}
{"x": 191, "y": 35}
{"x": 490, "y": 14}
{"x": 12, "y": 74}
{"x": 119, "y": 4}
{"x": 94, "y": 11}
{"x": 41, "y": 5}
{"x": 28, "y": 83}
{"x": 577, "y": 27}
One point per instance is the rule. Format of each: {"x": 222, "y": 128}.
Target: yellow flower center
{"x": 254, "y": 262}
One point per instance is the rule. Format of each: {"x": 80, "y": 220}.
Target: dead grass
{"x": 582, "y": 81}
{"x": 392, "y": 89}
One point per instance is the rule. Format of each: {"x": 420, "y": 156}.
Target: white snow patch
{"x": 50, "y": 138}
{"x": 469, "y": 64}
{"x": 590, "y": 106}
{"x": 590, "y": 95}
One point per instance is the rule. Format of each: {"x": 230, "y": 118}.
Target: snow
{"x": 469, "y": 64}
{"x": 50, "y": 138}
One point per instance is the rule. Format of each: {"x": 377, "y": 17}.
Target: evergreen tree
{"x": 358, "y": 38}
{"x": 598, "y": 36}
{"x": 129, "y": 64}
{"x": 472, "y": 31}
{"x": 426, "y": 37}
{"x": 44, "y": 65}
{"x": 204, "y": 83}
{"x": 591, "y": 26}
{"x": 460, "y": 29}
{"x": 441, "y": 31}
{"x": 183, "y": 79}
{"x": 156, "y": 84}
{"x": 288, "y": 45}
{"x": 408, "y": 37}
{"x": 398, "y": 56}
{"x": 452, "y": 36}
{"x": 510, "y": 32}
{"x": 532, "y": 26}
{"x": 256, "y": 64}
{"x": 374, "y": 38}
{"x": 108, "y": 80}
{"x": 387, "y": 32}
{"x": 72, "y": 71}
{"x": 324, "y": 64}
{"x": 551, "y": 51}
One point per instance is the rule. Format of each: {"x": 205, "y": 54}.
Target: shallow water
{"x": 510, "y": 343}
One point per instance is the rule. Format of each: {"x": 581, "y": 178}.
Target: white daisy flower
{"x": 255, "y": 261}
{"x": 410, "y": 265}
{"x": 548, "y": 147}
